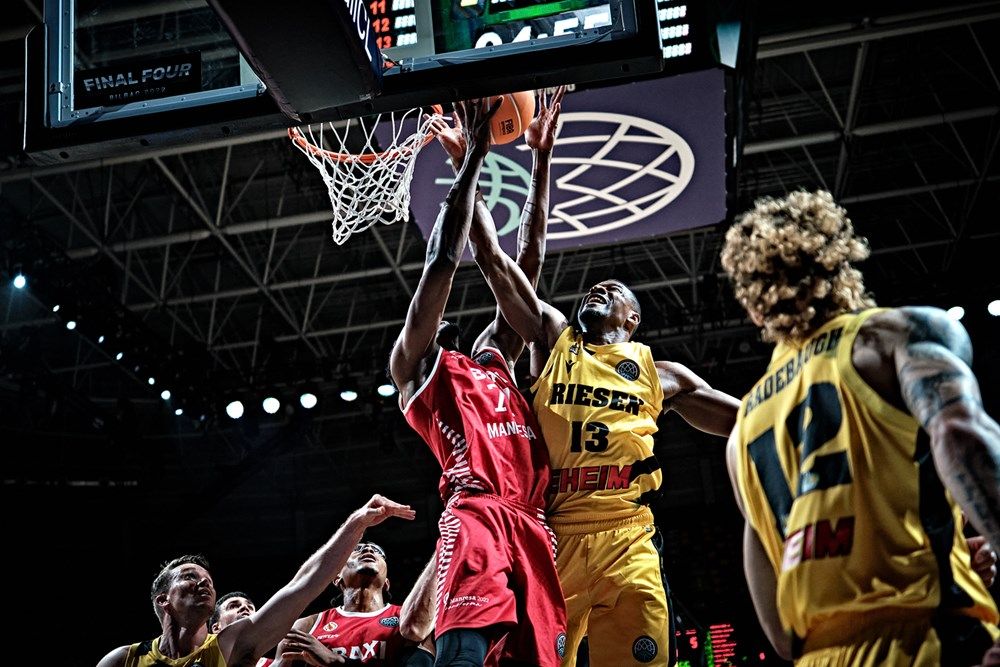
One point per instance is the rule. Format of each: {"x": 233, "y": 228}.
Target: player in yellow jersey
{"x": 597, "y": 397}
{"x": 183, "y": 597}
{"x": 851, "y": 451}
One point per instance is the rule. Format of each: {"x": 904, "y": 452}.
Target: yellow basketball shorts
{"x": 615, "y": 595}
{"x": 898, "y": 638}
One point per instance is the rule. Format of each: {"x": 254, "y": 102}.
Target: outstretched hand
{"x": 380, "y": 508}
{"x": 983, "y": 559}
{"x": 474, "y": 117}
{"x": 541, "y": 132}
{"x": 451, "y": 137}
{"x": 307, "y": 648}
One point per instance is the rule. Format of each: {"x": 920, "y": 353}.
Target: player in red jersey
{"x": 497, "y": 592}
{"x": 365, "y": 629}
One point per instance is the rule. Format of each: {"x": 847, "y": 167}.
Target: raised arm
{"x": 761, "y": 577}
{"x": 244, "y": 642}
{"x": 932, "y": 363}
{"x": 416, "y": 616}
{"x": 701, "y": 406}
{"x": 540, "y": 137}
{"x": 444, "y": 252}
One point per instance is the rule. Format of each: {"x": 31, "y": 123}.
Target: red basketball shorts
{"x": 496, "y": 569}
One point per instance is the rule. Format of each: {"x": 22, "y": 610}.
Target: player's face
{"x": 448, "y": 335}
{"x": 191, "y": 590}
{"x": 233, "y": 610}
{"x": 366, "y": 561}
{"x": 607, "y": 302}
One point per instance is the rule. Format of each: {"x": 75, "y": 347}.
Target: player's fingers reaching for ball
{"x": 380, "y": 508}
{"x": 557, "y": 96}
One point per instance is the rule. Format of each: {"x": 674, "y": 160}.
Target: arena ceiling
{"x": 215, "y": 260}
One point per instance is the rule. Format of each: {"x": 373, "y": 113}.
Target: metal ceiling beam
{"x": 264, "y": 289}
{"x": 417, "y": 266}
{"x": 879, "y": 28}
{"x": 874, "y": 129}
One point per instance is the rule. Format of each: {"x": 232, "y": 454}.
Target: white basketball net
{"x": 372, "y": 184}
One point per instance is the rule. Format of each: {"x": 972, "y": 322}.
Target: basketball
{"x": 513, "y": 117}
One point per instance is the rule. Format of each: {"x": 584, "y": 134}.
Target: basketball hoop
{"x": 371, "y": 185}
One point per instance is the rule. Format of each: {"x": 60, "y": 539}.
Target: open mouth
{"x": 596, "y": 298}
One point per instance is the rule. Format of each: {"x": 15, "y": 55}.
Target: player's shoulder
{"x": 115, "y": 658}
{"x": 913, "y": 325}
{"x": 307, "y": 622}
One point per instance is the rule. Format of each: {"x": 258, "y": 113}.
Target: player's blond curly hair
{"x": 790, "y": 263}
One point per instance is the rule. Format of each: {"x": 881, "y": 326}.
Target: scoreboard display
{"x": 412, "y": 31}
{"x": 478, "y": 24}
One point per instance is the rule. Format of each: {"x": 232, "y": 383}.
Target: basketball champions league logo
{"x": 630, "y": 162}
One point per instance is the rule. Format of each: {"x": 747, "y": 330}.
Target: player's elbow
{"x": 489, "y": 256}
{"x": 955, "y": 426}
{"x": 414, "y": 630}
{"x": 445, "y": 261}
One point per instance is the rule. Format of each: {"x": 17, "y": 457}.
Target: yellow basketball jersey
{"x": 147, "y": 654}
{"x": 841, "y": 488}
{"x": 597, "y": 406}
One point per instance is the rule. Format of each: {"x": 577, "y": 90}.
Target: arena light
{"x": 100, "y": 339}
{"x": 55, "y": 308}
{"x": 993, "y": 308}
{"x": 151, "y": 381}
{"x": 234, "y": 409}
{"x": 348, "y": 395}
{"x": 20, "y": 281}
{"x": 119, "y": 356}
{"x": 956, "y": 313}
{"x": 165, "y": 394}
{"x": 308, "y": 400}
{"x": 271, "y": 405}
{"x": 386, "y": 390}
{"x": 71, "y": 324}
{"x": 179, "y": 411}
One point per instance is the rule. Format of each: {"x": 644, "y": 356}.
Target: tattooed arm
{"x": 932, "y": 362}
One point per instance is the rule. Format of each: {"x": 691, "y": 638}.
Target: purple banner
{"x": 630, "y": 162}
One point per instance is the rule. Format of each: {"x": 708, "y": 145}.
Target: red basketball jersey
{"x": 370, "y": 637}
{"x": 481, "y": 429}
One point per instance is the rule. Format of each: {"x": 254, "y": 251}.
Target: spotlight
{"x": 100, "y": 339}
{"x": 994, "y": 308}
{"x": 271, "y": 405}
{"x": 151, "y": 381}
{"x": 234, "y": 410}
{"x": 956, "y": 313}
{"x": 165, "y": 394}
{"x": 348, "y": 389}
{"x": 20, "y": 281}
{"x": 386, "y": 390}
{"x": 308, "y": 400}
{"x": 119, "y": 356}
{"x": 71, "y": 325}
{"x": 55, "y": 308}
{"x": 179, "y": 411}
